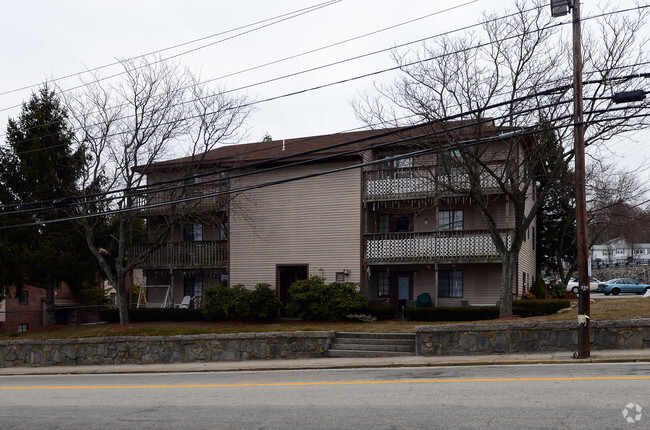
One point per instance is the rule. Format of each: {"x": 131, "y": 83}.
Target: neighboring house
{"x": 26, "y": 311}
{"x": 387, "y": 226}
{"x": 619, "y": 252}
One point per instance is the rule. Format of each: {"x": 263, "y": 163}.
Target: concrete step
{"x": 372, "y": 345}
{"x": 343, "y": 335}
{"x": 354, "y": 353}
{"x": 353, "y": 341}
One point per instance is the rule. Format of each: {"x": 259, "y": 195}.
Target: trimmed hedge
{"x": 154, "y": 314}
{"x": 384, "y": 312}
{"x": 523, "y": 308}
{"x": 538, "y": 307}
{"x": 452, "y": 313}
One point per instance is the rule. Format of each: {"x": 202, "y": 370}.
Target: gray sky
{"x": 50, "y": 39}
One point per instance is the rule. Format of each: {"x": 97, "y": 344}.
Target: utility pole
{"x": 584, "y": 298}
{"x": 559, "y": 8}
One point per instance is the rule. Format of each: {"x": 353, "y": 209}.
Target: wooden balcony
{"x": 416, "y": 182}
{"x": 155, "y": 202}
{"x": 183, "y": 255}
{"x": 432, "y": 247}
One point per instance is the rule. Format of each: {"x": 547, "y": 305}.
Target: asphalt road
{"x": 589, "y": 396}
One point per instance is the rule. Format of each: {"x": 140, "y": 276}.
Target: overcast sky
{"x": 49, "y": 39}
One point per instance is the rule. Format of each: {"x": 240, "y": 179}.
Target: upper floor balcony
{"x": 184, "y": 200}
{"x": 183, "y": 255}
{"x": 415, "y": 182}
{"x": 433, "y": 247}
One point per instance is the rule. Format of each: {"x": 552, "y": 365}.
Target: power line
{"x": 310, "y": 152}
{"x": 481, "y": 45}
{"x": 332, "y": 45}
{"x": 148, "y": 187}
{"x": 94, "y": 69}
{"x": 468, "y": 143}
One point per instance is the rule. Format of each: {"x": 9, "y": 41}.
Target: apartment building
{"x": 369, "y": 207}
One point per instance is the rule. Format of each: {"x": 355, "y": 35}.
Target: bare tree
{"x": 156, "y": 111}
{"x": 513, "y": 76}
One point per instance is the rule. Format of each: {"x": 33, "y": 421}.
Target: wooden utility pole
{"x": 581, "y": 198}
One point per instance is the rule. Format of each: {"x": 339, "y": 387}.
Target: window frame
{"x": 453, "y": 223}
{"x": 383, "y": 285}
{"x": 446, "y": 292}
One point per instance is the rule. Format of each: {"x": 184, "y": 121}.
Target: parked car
{"x": 573, "y": 285}
{"x": 622, "y": 285}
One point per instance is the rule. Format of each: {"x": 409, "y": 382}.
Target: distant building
{"x": 619, "y": 252}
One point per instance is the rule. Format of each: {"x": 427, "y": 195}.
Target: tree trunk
{"x": 122, "y": 300}
{"x": 50, "y": 312}
{"x": 508, "y": 266}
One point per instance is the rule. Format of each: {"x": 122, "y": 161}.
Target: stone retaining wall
{"x": 528, "y": 337}
{"x": 164, "y": 349}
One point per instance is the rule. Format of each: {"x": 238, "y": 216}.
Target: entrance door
{"x": 286, "y": 276}
{"x": 403, "y": 290}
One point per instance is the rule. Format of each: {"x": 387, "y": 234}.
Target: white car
{"x": 573, "y": 285}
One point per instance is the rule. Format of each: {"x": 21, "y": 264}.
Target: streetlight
{"x": 561, "y": 8}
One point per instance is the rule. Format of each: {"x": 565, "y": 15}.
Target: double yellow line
{"x": 316, "y": 383}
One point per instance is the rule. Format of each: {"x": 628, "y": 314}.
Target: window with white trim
{"x": 383, "y": 284}
{"x": 450, "y": 283}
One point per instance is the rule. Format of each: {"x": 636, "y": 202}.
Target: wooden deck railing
{"x": 185, "y": 255}
{"x": 416, "y": 182}
{"x": 200, "y": 199}
{"x": 432, "y": 247}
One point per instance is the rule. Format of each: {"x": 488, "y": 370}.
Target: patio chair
{"x": 185, "y": 304}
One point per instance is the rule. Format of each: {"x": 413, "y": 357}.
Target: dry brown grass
{"x": 601, "y": 309}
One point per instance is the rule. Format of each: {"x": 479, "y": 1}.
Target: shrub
{"x": 556, "y": 289}
{"x": 264, "y": 303}
{"x": 538, "y": 289}
{"x": 451, "y": 313}
{"x": 240, "y": 303}
{"x": 217, "y": 302}
{"x": 312, "y": 299}
{"x": 381, "y": 312}
{"x": 536, "y": 307}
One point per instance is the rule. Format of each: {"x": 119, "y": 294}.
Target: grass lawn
{"x": 601, "y": 309}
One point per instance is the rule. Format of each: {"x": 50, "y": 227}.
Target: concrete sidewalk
{"x": 601, "y": 356}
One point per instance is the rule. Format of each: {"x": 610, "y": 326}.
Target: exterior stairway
{"x": 372, "y": 345}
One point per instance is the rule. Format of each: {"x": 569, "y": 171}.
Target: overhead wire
{"x": 468, "y": 143}
{"x": 339, "y": 43}
{"x": 481, "y": 45}
{"x": 133, "y": 190}
{"x": 297, "y": 12}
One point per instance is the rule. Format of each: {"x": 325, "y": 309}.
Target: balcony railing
{"x": 183, "y": 255}
{"x": 199, "y": 200}
{"x": 417, "y": 182}
{"x": 433, "y": 247}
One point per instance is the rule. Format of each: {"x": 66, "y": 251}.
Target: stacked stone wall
{"x": 164, "y": 349}
{"x": 525, "y": 337}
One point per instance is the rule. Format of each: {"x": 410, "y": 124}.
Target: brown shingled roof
{"x": 232, "y": 155}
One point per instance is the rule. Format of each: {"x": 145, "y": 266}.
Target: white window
{"x": 450, "y": 220}
{"x": 383, "y": 285}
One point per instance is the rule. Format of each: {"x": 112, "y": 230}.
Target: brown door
{"x": 286, "y": 276}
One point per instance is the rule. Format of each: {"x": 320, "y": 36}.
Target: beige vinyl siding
{"x": 527, "y": 255}
{"x": 314, "y": 222}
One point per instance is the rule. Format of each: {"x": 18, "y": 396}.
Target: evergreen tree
{"x": 39, "y": 164}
